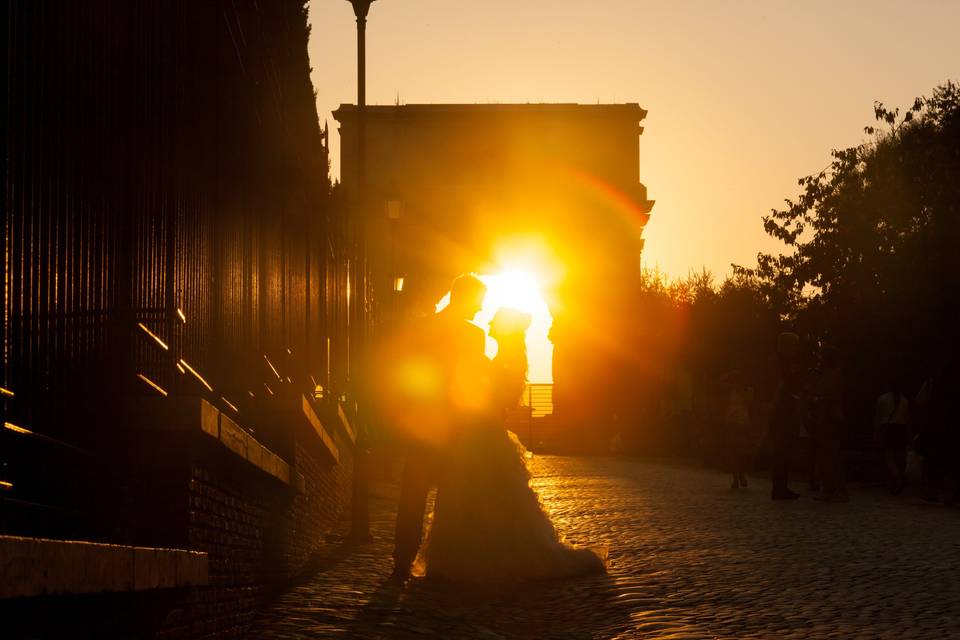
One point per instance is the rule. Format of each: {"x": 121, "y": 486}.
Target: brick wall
{"x": 259, "y": 532}
{"x": 309, "y": 515}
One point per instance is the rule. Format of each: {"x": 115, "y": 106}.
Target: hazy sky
{"x": 744, "y": 97}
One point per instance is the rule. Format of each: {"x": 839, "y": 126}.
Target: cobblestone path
{"x": 689, "y": 558}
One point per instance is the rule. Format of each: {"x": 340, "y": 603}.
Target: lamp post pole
{"x": 360, "y": 10}
{"x": 360, "y": 520}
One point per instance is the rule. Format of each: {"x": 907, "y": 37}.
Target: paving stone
{"x": 689, "y": 558}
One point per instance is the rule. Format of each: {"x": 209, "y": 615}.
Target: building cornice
{"x": 630, "y": 110}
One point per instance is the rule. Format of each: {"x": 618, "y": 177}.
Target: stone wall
{"x": 308, "y": 516}
{"x": 190, "y": 479}
{"x": 259, "y": 533}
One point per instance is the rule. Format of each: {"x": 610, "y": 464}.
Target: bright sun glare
{"x": 518, "y": 289}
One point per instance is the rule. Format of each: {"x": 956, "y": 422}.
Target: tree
{"x": 870, "y": 260}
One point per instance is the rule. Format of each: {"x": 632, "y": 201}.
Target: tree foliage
{"x": 692, "y": 332}
{"x": 870, "y": 260}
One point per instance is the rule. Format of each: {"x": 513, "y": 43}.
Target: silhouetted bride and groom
{"x": 488, "y": 524}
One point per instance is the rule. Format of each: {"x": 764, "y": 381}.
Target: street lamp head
{"x": 360, "y": 8}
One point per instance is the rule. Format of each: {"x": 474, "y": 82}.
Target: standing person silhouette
{"x": 452, "y": 345}
{"x": 938, "y": 440}
{"x": 785, "y": 421}
{"x": 892, "y": 429}
{"x": 828, "y": 391}
{"x": 737, "y": 426}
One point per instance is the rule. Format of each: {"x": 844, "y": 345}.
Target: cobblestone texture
{"x": 689, "y": 558}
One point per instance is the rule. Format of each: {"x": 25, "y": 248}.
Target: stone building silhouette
{"x": 445, "y": 184}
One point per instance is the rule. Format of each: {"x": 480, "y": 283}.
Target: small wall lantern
{"x": 394, "y": 209}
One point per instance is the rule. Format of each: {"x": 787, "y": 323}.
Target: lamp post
{"x": 360, "y": 10}
{"x": 360, "y": 520}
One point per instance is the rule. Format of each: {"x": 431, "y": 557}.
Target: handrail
{"x": 538, "y": 403}
{"x": 539, "y": 397}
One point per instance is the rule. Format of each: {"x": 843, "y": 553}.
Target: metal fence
{"x": 532, "y": 420}
{"x": 168, "y": 224}
{"x": 539, "y": 397}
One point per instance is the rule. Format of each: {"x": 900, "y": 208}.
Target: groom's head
{"x": 466, "y": 296}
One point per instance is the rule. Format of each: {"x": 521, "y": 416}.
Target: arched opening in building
{"x": 521, "y": 289}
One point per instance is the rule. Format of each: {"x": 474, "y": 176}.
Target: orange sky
{"x": 743, "y": 97}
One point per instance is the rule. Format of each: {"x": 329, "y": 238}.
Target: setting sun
{"x": 522, "y": 290}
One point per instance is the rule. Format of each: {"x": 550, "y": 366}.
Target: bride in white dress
{"x": 489, "y": 525}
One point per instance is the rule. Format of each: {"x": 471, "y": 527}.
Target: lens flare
{"x": 518, "y": 288}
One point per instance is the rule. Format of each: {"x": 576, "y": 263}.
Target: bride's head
{"x": 509, "y": 326}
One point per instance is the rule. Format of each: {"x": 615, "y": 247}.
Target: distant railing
{"x": 539, "y": 397}
{"x": 531, "y": 420}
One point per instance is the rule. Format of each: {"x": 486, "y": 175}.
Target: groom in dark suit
{"x": 452, "y": 344}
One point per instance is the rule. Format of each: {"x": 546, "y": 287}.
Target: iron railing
{"x": 539, "y": 398}
{"x": 168, "y": 227}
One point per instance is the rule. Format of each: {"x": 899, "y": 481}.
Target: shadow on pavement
{"x": 572, "y": 608}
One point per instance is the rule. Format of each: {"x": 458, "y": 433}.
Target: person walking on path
{"x": 891, "y": 424}
{"x": 831, "y": 433}
{"x": 938, "y": 438}
{"x": 785, "y": 419}
{"x": 737, "y": 427}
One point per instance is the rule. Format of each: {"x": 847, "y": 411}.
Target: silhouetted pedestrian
{"x": 937, "y": 437}
{"x": 830, "y": 429}
{"x": 891, "y": 422}
{"x": 738, "y": 427}
{"x": 785, "y": 420}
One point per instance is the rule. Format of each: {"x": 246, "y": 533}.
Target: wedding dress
{"x": 489, "y": 525}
